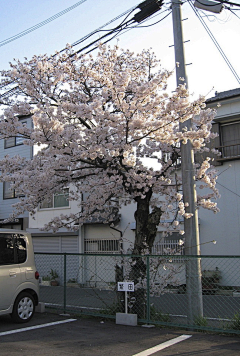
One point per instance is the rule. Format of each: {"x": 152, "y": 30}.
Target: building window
{"x": 101, "y": 246}
{"x": 14, "y": 141}
{"x": 59, "y": 200}
{"x": 8, "y": 191}
{"x": 230, "y": 140}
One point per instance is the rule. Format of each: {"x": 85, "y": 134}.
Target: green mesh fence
{"x": 164, "y": 288}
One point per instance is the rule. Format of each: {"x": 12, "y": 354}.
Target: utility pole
{"x": 193, "y": 264}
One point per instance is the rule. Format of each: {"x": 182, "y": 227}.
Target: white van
{"x": 19, "y": 285}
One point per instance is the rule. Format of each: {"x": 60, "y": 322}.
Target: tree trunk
{"x": 146, "y": 230}
{"x": 146, "y": 225}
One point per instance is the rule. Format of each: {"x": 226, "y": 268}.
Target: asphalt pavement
{"x": 57, "y": 335}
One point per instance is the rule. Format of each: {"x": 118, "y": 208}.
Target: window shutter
{"x": 9, "y": 142}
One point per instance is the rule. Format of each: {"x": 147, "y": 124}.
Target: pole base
{"x": 126, "y": 319}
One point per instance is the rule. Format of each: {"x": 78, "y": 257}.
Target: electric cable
{"x": 152, "y": 24}
{"x": 229, "y": 189}
{"x": 128, "y": 12}
{"x": 140, "y": 26}
{"x": 100, "y": 28}
{"x": 116, "y": 29}
{"x": 120, "y": 31}
{"x": 216, "y": 43}
{"x": 40, "y": 24}
{"x": 121, "y": 27}
{"x": 229, "y": 3}
{"x": 234, "y": 13}
{"x": 115, "y": 32}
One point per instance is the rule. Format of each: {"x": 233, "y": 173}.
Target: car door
{"x": 10, "y": 277}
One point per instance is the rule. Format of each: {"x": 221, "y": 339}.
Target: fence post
{"x": 148, "y": 292}
{"x": 64, "y": 282}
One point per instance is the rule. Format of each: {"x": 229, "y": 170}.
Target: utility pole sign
{"x": 126, "y": 287}
{"x": 125, "y": 318}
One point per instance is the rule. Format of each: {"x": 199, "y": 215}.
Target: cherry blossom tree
{"x": 105, "y": 126}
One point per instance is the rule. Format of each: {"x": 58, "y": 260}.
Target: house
{"x": 13, "y": 146}
{"x": 224, "y": 227}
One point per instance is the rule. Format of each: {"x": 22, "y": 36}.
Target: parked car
{"x": 19, "y": 285}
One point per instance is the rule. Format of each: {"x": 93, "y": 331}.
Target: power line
{"x": 129, "y": 11}
{"x": 101, "y": 27}
{"x": 152, "y": 24}
{"x": 229, "y": 189}
{"x": 129, "y": 28}
{"x": 40, "y": 24}
{"x": 234, "y": 13}
{"x": 229, "y": 3}
{"x": 215, "y": 42}
{"x": 117, "y": 29}
{"x": 147, "y": 7}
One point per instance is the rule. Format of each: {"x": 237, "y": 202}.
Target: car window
{"x": 12, "y": 249}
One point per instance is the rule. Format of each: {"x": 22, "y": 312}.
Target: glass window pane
{"x": 19, "y": 140}
{"x": 8, "y": 254}
{"x": 231, "y": 139}
{"x": 46, "y": 204}
{"x": 8, "y": 192}
{"x": 61, "y": 199}
{"x": 21, "y": 249}
{"x": 9, "y": 142}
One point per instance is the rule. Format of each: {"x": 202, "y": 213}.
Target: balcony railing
{"x": 102, "y": 246}
{"x": 171, "y": 247}
{"x": 229, "y": 152}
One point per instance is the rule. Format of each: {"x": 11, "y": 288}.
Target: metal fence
{"x": 87, "y": 284}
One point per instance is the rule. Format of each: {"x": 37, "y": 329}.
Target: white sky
{"x": 207, "y": 73}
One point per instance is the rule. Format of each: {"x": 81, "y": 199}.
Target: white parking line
{"x": 36, "y": 327}
{"x": 162, "y": 346}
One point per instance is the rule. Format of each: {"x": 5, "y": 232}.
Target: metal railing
{"x": 87, "y": 285}
{"x": 229, "y": 152}
{"x": 102, "y": 246}
{"x": 170, "y": 247}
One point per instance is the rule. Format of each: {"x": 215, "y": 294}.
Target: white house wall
{"x": 224, "y": 227}
{"x": 43, "y": 216}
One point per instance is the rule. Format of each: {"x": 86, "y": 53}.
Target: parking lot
{"x": 56, "y": 335}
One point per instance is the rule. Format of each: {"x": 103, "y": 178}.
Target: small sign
{"x": 125, "y": 286}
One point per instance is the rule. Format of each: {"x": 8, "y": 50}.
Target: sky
{"x": 206, "y": 70}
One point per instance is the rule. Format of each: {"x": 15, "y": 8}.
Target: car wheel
{"x": 23, "y": 308}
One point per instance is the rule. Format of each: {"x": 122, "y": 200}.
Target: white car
{"x": 19, "y": 284}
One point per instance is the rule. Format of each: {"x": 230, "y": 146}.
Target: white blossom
{"x": 96, "y": 120}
